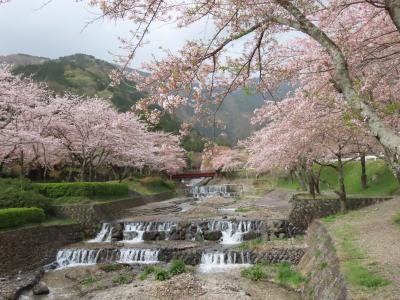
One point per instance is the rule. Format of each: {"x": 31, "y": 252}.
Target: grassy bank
{"x": 150, "y": 185}
{"x": 367, "y": 244}
{"x": 380, "y": 179}
{"x": 24, "y": 193}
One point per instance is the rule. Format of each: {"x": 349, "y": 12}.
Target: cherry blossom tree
{"x": 40, "y": 130}
{"x": 302, "y": 131}
{"x": 24, "y": 120}
{"x": 356, "y": 42}
{"x": 223, "y": 159}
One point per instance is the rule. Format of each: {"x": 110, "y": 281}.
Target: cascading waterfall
{"x": 212, "y": 261}
{"x": 141, "y": 256}
{"x": 85, "y": 257}
{"x": 77, "y": 257}
{"x": 210, "y": 191}
{"x": 133, "y": 231}
{"x": 232, "y": 232}
{"x": 104, "y": 234}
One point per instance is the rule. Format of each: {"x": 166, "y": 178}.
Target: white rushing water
{"x": 77, "y": 257}
{"x": 141, "y": 256}
{"x": 86, "y": 257}
{"x": 104, "y": 234}
{"x": 206, "y": 191}
{"x": 220, "y": 261}
{"x": 232, "y": 232}
{"x": 133, "y": 231}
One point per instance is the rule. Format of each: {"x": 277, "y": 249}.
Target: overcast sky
{"x": 56, "y": 30}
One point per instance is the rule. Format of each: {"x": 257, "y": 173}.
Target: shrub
{"x": 20, "y": 193}
{"x": 122, "y": 279}
{"x": 254, "y": 273}
{"x": 287, "y": 276}
{"x": 146, "y": 272}
{"x": 161, "y": 274}
{"x": 111, "y": 267}
{"x": 177, "y": 267}
{"x": 13, "y": 217}
{"x": 89, "y": 281}
{"x": 12, "y": 197}
{"x": 251, "y": 244}
{"x": 88, "y": 189}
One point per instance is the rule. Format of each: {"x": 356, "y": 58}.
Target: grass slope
{"x": 380, "y": 179}
{"x": 366, "y": 241}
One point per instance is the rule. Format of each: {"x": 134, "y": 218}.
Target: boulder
{"x": 211, "y": 235}
{"x": 40, "y": 289}
{"x": 130, "y": 235}
{"x": 117, "y": 231}
{"x": 150, "y": 235}
{"x": 251, "y": 235}
{"x": 199, "y": 237}
{"x": 177, "y": 234}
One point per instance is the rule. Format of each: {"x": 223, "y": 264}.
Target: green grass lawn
{"x": 380, "y": 179}
{"x": 150, "y": 185}
{"x": 143, "y": 186}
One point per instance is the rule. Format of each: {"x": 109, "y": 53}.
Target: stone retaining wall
{"x": 320, "y": 266}
{"x": 26, "y": 249}
{"x": 304, "y": 211}
{"x": 91, "y": 215}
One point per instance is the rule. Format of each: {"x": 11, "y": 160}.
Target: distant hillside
{"x": 22, "y": 59}
{"x": 85, "y": 75}
{"x": 235, "y": 113}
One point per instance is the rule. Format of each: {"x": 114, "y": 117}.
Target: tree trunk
{"x": 363, "y": 171}
{"x": 310, "y": 179}
{"x": 342, "y": 189}
{"x": 393, "y": 8}
{"x": 317, "y": 181}
{"x": 394, "y": 163}
{"x": 301, "y": 180}
{"x": 311, "y": 186}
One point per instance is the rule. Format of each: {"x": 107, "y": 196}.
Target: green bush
{"x": 146, "y": 272}
{"x": 111, "y": 267}
{"x": 122, "y": 279}
{"x": 177, "y": 267}
{"x": 89, "y": 281}
{"x": 288, "y": 276}
{"x": 161, "y": 274}
{"x": 254, "y": 273}
{"x": 13, "y": 217}
{"x": 20, "y": 193}
{"x": 87, "y": 189}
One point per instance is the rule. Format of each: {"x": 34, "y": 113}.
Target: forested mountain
{"x": 22, "y": 59}
{"x": 85, "y": 75}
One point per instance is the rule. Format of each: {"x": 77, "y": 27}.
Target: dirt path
{"x": 377, "y": 238}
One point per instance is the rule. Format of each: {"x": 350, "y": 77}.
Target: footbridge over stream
{"x": 194, "y": 174}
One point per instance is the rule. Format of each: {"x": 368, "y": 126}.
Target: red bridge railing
{"x": 194, "y": 174}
